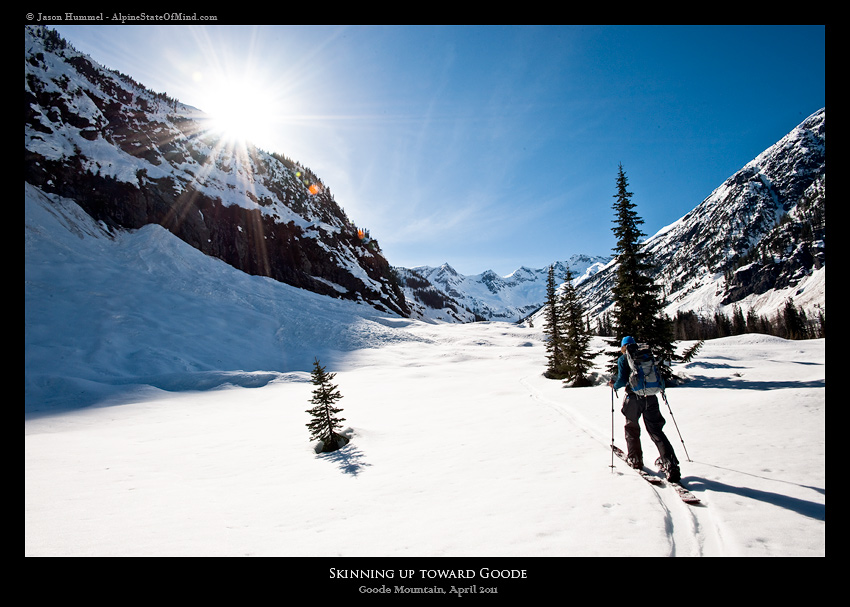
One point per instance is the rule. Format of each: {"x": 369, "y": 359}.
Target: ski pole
{"x": 612, "y": 428}
{"x": 664, "y": 396}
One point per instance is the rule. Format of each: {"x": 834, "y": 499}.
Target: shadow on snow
{"x": 807, "y": 508}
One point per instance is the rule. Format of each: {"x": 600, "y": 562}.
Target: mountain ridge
{"x": 756, "y": 239}
{"x": 130, "y": 157}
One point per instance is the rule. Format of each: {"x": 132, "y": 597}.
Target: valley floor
{"x": 460, "y": 448}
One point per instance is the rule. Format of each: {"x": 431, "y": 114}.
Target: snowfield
{"x": 165, "y": 415}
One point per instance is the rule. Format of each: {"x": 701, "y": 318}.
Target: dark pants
{"x": 633, "y": 407}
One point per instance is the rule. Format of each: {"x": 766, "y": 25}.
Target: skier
{"x": 634, "y": 406}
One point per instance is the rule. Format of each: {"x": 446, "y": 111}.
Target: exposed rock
{"x": 131, "y": 157}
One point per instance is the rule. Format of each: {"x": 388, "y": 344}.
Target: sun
{"x": 240, "y": 111}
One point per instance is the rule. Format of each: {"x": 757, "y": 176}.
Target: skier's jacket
{"x": 623, "y": 372}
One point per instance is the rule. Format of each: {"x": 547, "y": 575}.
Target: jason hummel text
{"x": 70, "y": 17}
{"x": 122, "y": 18}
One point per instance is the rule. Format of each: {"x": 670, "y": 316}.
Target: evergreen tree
{"x": 754, "y": 322}
{"x": 603, "y": 324}
{"x": 739, "y": 323}
{"x": 689, "y": 354}
{"x": 552, "y": 329}
{"x": 794, "y": 321}
{"x": 723, "y": 324}
{"x": 576, "y": 337}
{"x": 632, "y": 265}
{"x": 820, "y": 327}
{"x": 325, "y": 422}
{"x": 638, "y": 309}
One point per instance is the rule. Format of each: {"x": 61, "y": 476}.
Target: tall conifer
{"x": 576, "y": 337}
{"x": 638, "y": 309}
{"x": 552, "y": 329}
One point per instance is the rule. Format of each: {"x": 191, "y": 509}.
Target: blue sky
{"x": 493, "y": 147}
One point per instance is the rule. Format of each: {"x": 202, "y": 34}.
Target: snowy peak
{"x": 131, "y": 157}
{"x": 756, "y": 239}
{"x": 445, "y": 273}
{"x": 444, "y": 294}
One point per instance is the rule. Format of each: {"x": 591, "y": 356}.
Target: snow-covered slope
{"x": 110, "y": 308}
{"x": 131, "y": 157}
{"x": 444, "y": 294}
{"x": 758, "y": 238}
{"x": 460, "y": 446}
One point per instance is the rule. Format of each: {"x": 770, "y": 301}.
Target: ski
{"x": 654, "y": 480}
{"x": 687, "y": 496}
{"x": 682, "y": 491}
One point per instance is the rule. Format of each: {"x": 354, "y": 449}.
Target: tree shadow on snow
{"x": 807, "y": 508}
{"x": 738, "y": 383}
{"x": 349, "y": 459}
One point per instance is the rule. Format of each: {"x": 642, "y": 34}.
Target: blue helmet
{"x": 627, "y": 340}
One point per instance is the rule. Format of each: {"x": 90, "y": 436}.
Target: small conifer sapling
{"x": 325, "y": 395}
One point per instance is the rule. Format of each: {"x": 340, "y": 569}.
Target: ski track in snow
{"x": 691, "y": 529}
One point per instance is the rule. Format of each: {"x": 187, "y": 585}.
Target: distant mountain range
{"x": 443, "y": 294}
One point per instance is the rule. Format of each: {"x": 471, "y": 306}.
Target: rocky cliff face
{"x": 762, "y": 230}
{"x": 131, "y": 157}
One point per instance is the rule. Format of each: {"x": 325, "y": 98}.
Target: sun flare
{"x": 240, "y": 112}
